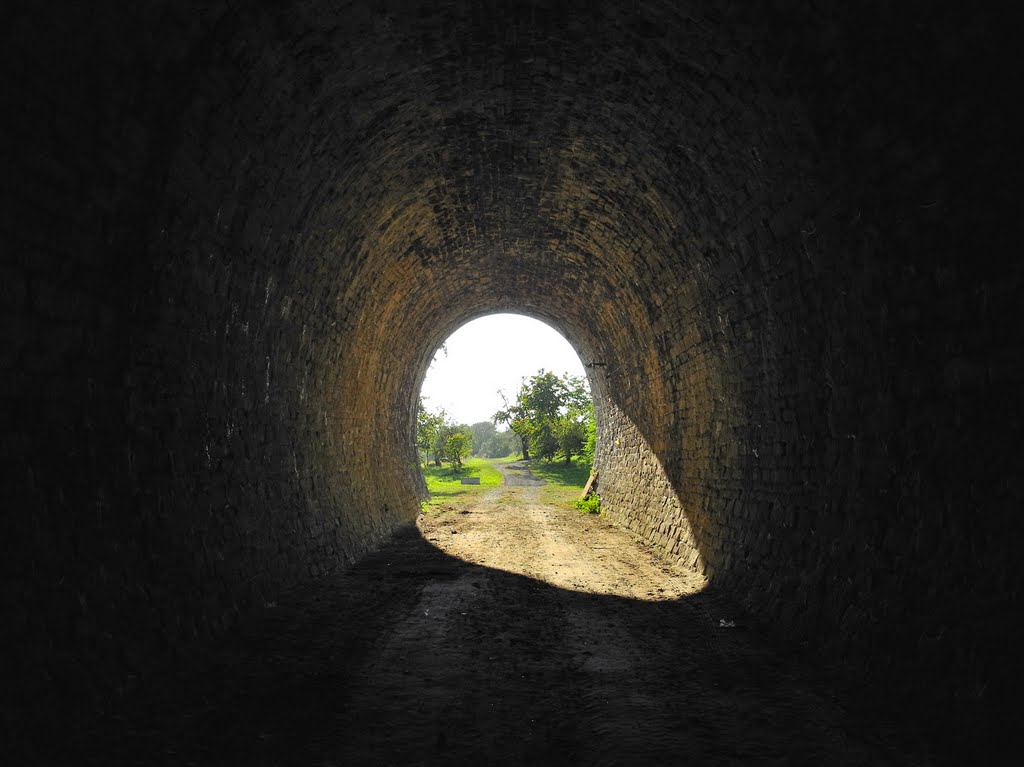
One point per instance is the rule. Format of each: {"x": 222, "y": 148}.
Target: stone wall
{"x": 636, "y": 493}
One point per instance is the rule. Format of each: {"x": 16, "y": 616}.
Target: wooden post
{"x": 590, "y": 485}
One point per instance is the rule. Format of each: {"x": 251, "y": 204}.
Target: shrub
{"x": 589, "y": 505}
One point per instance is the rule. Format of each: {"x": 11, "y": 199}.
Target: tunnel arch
{"x": 471, "y": 202}
{"x": 229, "y": 229}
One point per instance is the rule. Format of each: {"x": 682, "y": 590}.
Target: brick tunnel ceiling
{"x": 380, "y": 181}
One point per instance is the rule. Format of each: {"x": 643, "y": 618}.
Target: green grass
{"x": 446, "y": 486}
{"x": 575, "y": 474}
{"x": 565, "y": 483}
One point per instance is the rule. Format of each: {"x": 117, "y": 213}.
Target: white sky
{"x": 492, "y": 353}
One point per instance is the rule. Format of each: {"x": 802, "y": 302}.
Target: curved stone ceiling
{"x": 380, "y": 179}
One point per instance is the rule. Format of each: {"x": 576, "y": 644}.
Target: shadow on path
{"x": 414, "y": 657}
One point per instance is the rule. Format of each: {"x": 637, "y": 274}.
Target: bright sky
{"x": 491, "y": 353}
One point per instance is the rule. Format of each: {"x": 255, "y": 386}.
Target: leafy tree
{"x": 501, "y": 444}
{"x": 440, "y": 439}
{"x": 576, "y": 393}
{"x": 543, "y": 395}
{"x": 577, "y": 433}
{"x": 515, "y": 416}
{"x": 550, "y": 415}
{"x": 536, "y": 405}
{"x": 458, "y": 446}
{"x": 483, "y": 433}
{"x": 544, "y": 438}
{"x": 489, "y": 442}
{"x": 440, "y": 443}
{"x": 572, "y": 436}
{"x": 429, "y": 428}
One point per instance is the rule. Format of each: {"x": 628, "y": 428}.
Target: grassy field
{"x": 565, "y": 483}
{"x": 446, "y": 486}
{"x": 574, "y": 475}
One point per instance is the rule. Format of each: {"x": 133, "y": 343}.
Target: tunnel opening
{"x": 482, "y": 366}
{"x": 635, "y": 487}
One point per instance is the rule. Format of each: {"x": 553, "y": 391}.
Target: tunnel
{"x": 779, "y": 237}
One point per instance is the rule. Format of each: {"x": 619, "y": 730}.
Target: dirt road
{"x": 502, "y": 632}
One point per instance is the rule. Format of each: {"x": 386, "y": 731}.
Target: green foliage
{"x": 544, "y": 437}
{"x": 500, "y": 445}
{"x": 482, "y": 434}
{"x": 543, "y": 395}
{"x": 571, "y": 434}
{"x": 551, "y": 415}
{"x": 429, "y": 427}
{"x": 590, "y": 446}
{"x": 574, "y": 475}
{"x": 440, "y": 439}
{"x": 445, "y": 484}
{"x": 458, "y": 445}
{"x": 565, "y": 481}
{"x": 589, "y": 505}
{"x": 488, "y": 442}
{"x": 516, "y": 418}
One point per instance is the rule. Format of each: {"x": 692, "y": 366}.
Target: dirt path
{"x": 505, "y": 632}
{"x": 518, "y": 474}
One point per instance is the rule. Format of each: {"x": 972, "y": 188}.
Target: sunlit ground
{"x": 520, "y": 531}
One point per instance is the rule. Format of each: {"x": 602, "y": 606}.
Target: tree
{"x": 429, "y": 427}
{"x": 576, "y": 428}
{"x": 500, "y": 444}
{"x": 550, "y": 415}
{"x": 483, "y": 434}
{"x": 440, "y": 439}
{"x": 530, "y": 418}
{"x": 515, "y": 417}
{"x": 489, "y": 442}
{"x": 458, "y": 446}
{"x": 572, "y": 436}
{"x": 544, "y": 438}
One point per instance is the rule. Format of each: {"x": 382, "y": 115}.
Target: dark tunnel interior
{"x": 234, "y": 237}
